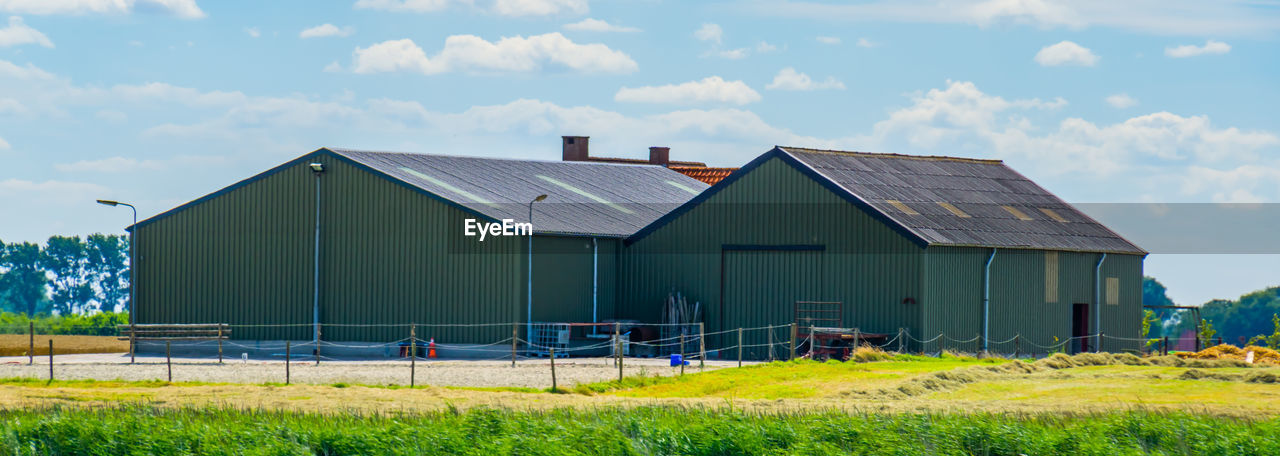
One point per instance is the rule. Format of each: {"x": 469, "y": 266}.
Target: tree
{"x": 1148, "y": 320}
{"x": 65, "y": 258}
{"x": 1155, "y": 294}
{"x": 24, "y": 279}
{"x": 1206, "y": 333}
{"x": 1272, "y": 341}
{"x": 107, "y": 259}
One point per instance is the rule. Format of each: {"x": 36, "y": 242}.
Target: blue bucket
{"x": 676, "y": 360}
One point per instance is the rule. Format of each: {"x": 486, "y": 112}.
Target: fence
{"x": 617, "y": 343}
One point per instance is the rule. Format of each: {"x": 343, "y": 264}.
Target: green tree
{"x": 107, "y": 257}
{"x": 24, "y": 281}
{"x": 1149, "y": 319}
{"x": 1154, "y": 293}
{"x": 1206, "y": 333}
{"x": 65, "y": 258}
{"x": 1272, "y": 341}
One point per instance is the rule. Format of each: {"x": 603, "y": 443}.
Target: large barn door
{"x": 761, "y": 288}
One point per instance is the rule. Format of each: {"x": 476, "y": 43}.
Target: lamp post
{"x": 528, "y": 322}
{"x": 133, "y": 265}
{"x": 317, "y": 169}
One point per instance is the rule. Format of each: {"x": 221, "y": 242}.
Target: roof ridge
{"x": 984, "y": 161}
{"x": 344, "y": 150}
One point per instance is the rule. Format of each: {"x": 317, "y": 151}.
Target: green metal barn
{"x": 949, "y": 252}
{"x": 384, "y": 235}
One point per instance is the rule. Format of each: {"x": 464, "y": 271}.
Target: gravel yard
{"x": 531, "y": 373}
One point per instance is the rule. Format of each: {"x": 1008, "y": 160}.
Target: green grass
{"x": 649, "y": 430}
{"x": 784, "y": 379}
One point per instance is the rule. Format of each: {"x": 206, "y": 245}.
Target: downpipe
{"x": 1097, "y": 304}
{"x": 986, "y": 301}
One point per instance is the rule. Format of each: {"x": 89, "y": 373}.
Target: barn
{"x": 354, "y": 241}
{"x": 949, "y": 253}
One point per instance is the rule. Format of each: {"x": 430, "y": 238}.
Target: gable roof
{"x": 946, "y": 201}
{"x": 584, "y": 198}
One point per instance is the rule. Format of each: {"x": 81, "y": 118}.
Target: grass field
{"x": 643, "y": 430}
{"x": 19, "y": 344}
{"x": 1087, "y": 404}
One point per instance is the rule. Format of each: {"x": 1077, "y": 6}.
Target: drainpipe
{"x": 986, "y": 300}
{"x": 1097, "y": 303}
{"x": 595, "y": 283}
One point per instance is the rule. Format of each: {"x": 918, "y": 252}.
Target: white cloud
{"x": 112, "y": 116}
{"x": 186, "y": 9}
{"x": 325, "y": 30}
{"x": 829, "y": 39}
{"x": 19, "y": 32}
{"x": 333, "y": 67}
{"x": 253, "y": 32}
{"x": 1066, "y": 53}
{"x": 1122, "y": 101}
{"x": 50, "y": 190}
{"x": 596, "y": 25}
{"x": 1191, "y": 50}
{"x": 539, "y": 7}
{"x": 10, "y": 70}
{"x": 4, "y": 145}
{"x": 470, "y": 53}
{"x": 712, "y": 89}
{"x": 500, "y": 7}
{"x": 865, "y": 43}
{"x": 709, "y": 32}
{"x": 411, "y": 6}
{"x": 790, "y": 79}
{"x": 1163, "y": 17}
{"x": 11, "y": 106}
{"x": 108, "y": 165}
{"x": 764, "y": 47}
{"x": 734, "y": 54}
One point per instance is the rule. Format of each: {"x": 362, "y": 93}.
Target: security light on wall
{"x": 317, "y": 167}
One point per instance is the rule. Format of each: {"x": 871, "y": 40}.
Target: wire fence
{"x": 618, "y": 343}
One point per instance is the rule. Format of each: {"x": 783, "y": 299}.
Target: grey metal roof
{"x": 584, "y": 198}
{"x": 980, "y": 189}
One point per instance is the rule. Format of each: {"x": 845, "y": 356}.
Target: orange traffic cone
{"x": 431, "y": 348}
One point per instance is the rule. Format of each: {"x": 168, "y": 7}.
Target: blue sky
{"x": 160, "y": 101}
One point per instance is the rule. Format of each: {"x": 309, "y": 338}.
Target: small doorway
{"x": 1079, "y": 328}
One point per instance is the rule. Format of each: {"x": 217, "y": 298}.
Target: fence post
{"x": 1219, "y": 340}
{"x": 318, "y": 335}
{"x": 618, "y": 346}
{"x": 288, "y": 348}
{"x": 899, "y": 340}
{"x": 792, "y": 343}
{"x": 413, "y": 353}
{"x": 702, "y": 345}
{"x": 219, "y": 343}
{"x": 682, "y": 361}
{"x": 1164, "y": 347}
{"x": 1101, "y": 336}
{"x": 50, "y": 359}
{"x": 31, "y": 348}
{"x": 739, "y": 347}
{"x": 168, "y": 360}
{"x": 133, "y": 334}
{"x": 857, "y": 338}
{"x": 515, "y": 338}
{"x": 553, "y": 367}
{"x": 769, "y": 329}
{"x": 1017, "y": 345}
{"x": 617, "y": 337}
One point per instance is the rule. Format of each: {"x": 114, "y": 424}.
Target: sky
{"x": 157, "y": 102}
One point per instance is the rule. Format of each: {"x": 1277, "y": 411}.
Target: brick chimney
{"x": 660, "y": 156}
{"x": 575, "y": 148}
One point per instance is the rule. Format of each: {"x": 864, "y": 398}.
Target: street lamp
{"x": 528, "y": 322}
{"x": 133, "y": 266}
{"x": 317, "y": 169}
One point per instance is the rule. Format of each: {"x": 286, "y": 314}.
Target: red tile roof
{"x": 708, "y": 175}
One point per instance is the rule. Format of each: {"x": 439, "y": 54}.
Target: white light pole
{"x": 528, "y": 322}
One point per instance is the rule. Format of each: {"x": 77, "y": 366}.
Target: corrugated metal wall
{"x": 953, "y": 298}
{"x": 389, "y": 255}
{"x": 864, "y": 264}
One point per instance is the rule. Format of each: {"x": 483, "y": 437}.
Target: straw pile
{"x": 1224, "y": 351}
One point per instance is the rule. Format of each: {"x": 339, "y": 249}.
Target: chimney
{"x": 660, "y": 156}
{"x": 575, "y": 148}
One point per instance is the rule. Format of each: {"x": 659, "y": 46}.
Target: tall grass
{"x": 657, "y": 430}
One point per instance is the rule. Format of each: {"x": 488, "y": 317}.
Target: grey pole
{"x": 528, "y": 319}
{"x": 317, "y": 169}
{"x": 133, "y": 268}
